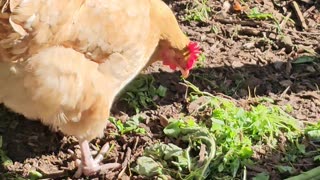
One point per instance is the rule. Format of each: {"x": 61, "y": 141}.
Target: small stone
{"x": 286, "y": 83}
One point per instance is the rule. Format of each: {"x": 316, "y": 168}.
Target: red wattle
{"x": 194, "y": 52}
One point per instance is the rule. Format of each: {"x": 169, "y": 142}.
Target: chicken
{"x": 64, "y": 62}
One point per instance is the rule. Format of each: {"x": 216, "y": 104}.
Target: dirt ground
{"x": 243, "y": 57}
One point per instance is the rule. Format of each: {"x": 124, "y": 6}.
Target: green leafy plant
{"x": 177, "y": 162}
{"x": 130, "y": 126}
{"x": 229, "y": 134}
{"x": 306, "y": 59}
{"x": 257, "y": 15}
{"x": 142, "y": 93}
{"x": 199, "y": 11}
{"x": 237, "y": 130}
{"x": 201, "y": 60}
{"x": 312, "y": 131}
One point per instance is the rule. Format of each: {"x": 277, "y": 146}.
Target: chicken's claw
{"x": 89, "y": 166}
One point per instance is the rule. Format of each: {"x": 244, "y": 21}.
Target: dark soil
{"x": 244, "y": 58}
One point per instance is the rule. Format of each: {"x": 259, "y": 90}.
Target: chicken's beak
{"x": 184, "y": 72}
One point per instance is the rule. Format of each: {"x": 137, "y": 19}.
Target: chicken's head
{"x": 183, "y": 59}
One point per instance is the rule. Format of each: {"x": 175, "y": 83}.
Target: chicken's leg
{"x": 88, "y": 165}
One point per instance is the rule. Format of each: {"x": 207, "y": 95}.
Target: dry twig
{"x": 299, "y": 15}
{"x": 125, "y": 162}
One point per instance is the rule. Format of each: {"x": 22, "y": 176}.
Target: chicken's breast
{"x": 63, "y": 62}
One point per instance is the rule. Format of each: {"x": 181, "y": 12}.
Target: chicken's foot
{"x": 89, "y": 166}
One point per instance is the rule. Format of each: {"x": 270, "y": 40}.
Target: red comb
{"x": 194, "y": 52}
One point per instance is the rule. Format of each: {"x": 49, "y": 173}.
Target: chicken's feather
{"x": 73, "y": 60}
{"x": 63, "y": 62}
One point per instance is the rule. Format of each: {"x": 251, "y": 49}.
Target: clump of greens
{"x": 142, "y": 93}
{"x": 201, "y": 60}
{"x": 199, "y": 11}
{"x": 230, "y": 135}
{"x": 256, "y": 14}
{"x": 130, "y": 126}
{"x": 169, "y": 160}
{"x": 237, "y": 130}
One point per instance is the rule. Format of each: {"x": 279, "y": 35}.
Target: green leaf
{"x": 173, "y": 129}
{"x": 265, "y": 99}
{"x": 120, "y": 126}
{"x": 314, "y": 135}
{"x": 220, "y": 167}
{"x": 304, "y": 59}
{"x": 161, "y": 91}
{"x": 235, "y": 167}
{"x": 255, "y": 14}
{"x": 5, "y": 160}
{"x": 301, "y": 148}
{"x": 261, "y": 176}
{"x": 285, "y": 169}
{"x": 146, "y": 166}
{"x": 312, "y": 174}
{"x": 33, "y": 175}
{"x": 130, "y": 126}
{"x": 246, "y": 152}
{"x": 316, "y": 158}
